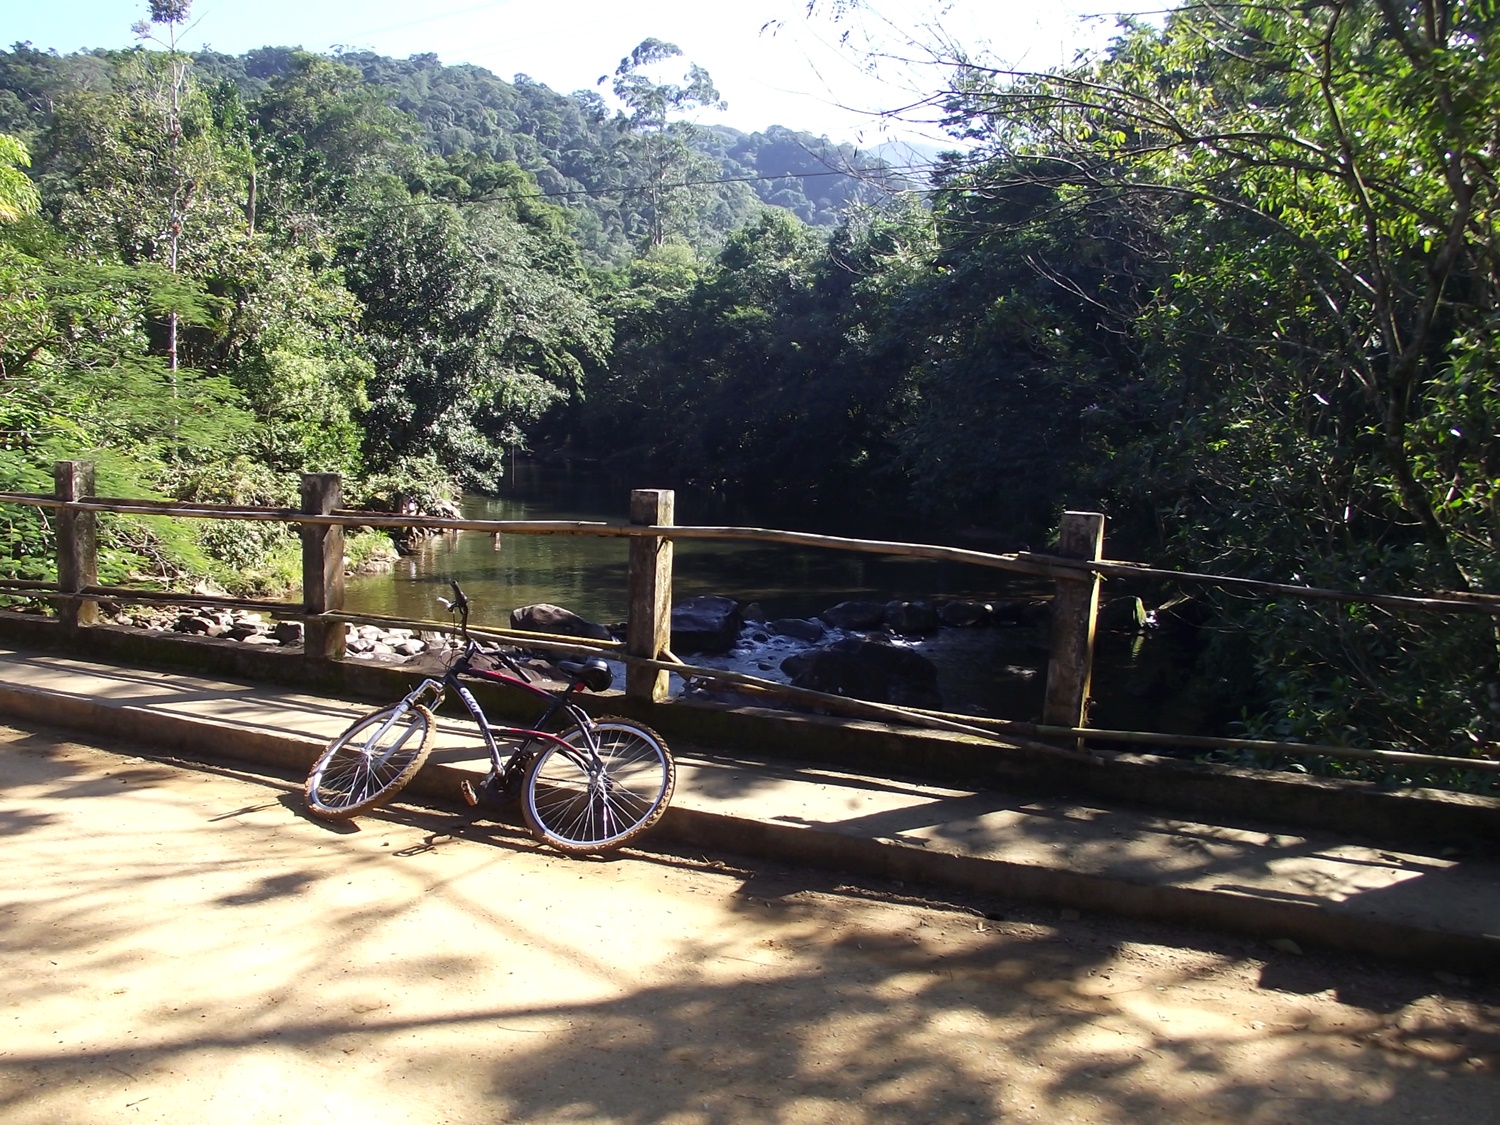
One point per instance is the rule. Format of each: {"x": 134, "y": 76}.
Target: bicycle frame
{"x": 431, "y": 692}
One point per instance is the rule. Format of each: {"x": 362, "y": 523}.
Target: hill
{"x": 571, "y": 143}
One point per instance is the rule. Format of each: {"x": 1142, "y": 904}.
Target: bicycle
{"x": 594, "y": 787}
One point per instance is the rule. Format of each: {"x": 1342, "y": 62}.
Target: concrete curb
{"x": 1308, "y": 923}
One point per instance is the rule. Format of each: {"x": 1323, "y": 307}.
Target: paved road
{"x": 180, "y": 944}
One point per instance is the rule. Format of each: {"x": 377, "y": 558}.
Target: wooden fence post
{"x": 1075, "y": 608}
{"x": 322, "y": 568}
{"x": 77, "y": 542}
{"x": 649, "y": 630}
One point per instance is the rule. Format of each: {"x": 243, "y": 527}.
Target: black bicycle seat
{"x": 592, "y": 673}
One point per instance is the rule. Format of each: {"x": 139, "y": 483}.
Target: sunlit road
{"x": 182, "y": 944}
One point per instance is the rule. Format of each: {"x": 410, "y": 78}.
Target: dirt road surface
{"x": 181, "y": 944}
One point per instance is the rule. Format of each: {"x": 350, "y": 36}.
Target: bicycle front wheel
{"x": 580, "y": 803}
{"x": 370, "y": 762}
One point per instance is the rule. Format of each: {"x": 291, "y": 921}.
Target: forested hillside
{"x": 1234, "y": 282}
{"x": 576, "y": 149}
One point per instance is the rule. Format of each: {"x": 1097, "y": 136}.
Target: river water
{"x": 588, "y": 575}
{"x": 995, "y": 671}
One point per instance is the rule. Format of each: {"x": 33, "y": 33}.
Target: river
{"x": 995, "y": 671}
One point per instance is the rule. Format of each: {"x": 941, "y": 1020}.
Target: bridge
{"x": 1418, "y": 884}
{"x": 936, "y": 801}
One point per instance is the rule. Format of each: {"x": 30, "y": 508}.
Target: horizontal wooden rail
{"x": 1018, "y": 563}
{"x": 131, "y": 596}
{"x": 515, "y": 636}
{"x": 1446, "y": 602}
{"x": 1021, "y": 735}
{"x": 1034, "y": 564}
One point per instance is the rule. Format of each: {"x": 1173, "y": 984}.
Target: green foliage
{"x": 325, "y": 140}
{"x": 476, "y": 323}
{"x": 1304, "y": 192}
{"x": 758, "y": 372}
{"x": 18, "y": 195}
{"x": 411, "y": 485}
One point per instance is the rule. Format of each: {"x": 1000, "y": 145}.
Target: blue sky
{"x": 773, "y": 63}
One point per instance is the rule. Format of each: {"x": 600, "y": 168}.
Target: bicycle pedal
{"x": 466, "y": 788}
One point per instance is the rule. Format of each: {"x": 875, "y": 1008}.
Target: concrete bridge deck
{"x": 1437, "y": 904}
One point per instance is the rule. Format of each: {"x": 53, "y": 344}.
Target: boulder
{"x": 705, "y": 624}
{"x": 544, "y": 618}
{"x": 1016, "y": 613}
{"x": 855, "y": 615}
{"x": 912, "y": 619}
{"x": 800, "y": 628}
{"x": 964, "y": 615}
{"x": 868, "y": 669}
{"x": 287, "y": 633}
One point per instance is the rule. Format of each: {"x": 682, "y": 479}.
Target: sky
{"x": 771, "y": 62}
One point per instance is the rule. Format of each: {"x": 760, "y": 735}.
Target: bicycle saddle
{"x": 593, "y": 673}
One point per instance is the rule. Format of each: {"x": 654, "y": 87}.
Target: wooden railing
{"x": 1076, "y": 572}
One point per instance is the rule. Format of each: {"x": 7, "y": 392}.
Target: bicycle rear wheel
{"x": 580, "y": 804}
{"x": 370, "y": 762}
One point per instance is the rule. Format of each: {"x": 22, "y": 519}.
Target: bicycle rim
{"x": 579, "y": 803}
{"x": 370, "y": 762}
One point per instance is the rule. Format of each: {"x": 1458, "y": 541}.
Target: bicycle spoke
{"x": 370, "y": 762}
{"x": 585, "y": 799}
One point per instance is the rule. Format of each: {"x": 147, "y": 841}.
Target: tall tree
{"x": 658, "y": 149}
{"x": 169, "y": 14}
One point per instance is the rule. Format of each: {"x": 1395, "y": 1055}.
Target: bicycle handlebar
{"x": 472, "y": 648}
{"x": 459, "y": 605}
{"x": 475, "y": 648}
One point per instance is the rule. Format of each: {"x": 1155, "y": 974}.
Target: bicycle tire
{"x": 370, "y": 762}
{"x": 580, "y": 814}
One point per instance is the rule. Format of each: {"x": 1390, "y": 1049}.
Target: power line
{"x": 625, "y": 190}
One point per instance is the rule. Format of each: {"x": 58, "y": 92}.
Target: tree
{"x": 658, "y": 148}
{"x": 324, "y": 141}
{"x": 476, "y": 323}
{"x": 1311, "y": 185}
{"x": 171, "y": 13}
{"x": 773, "y": 372}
